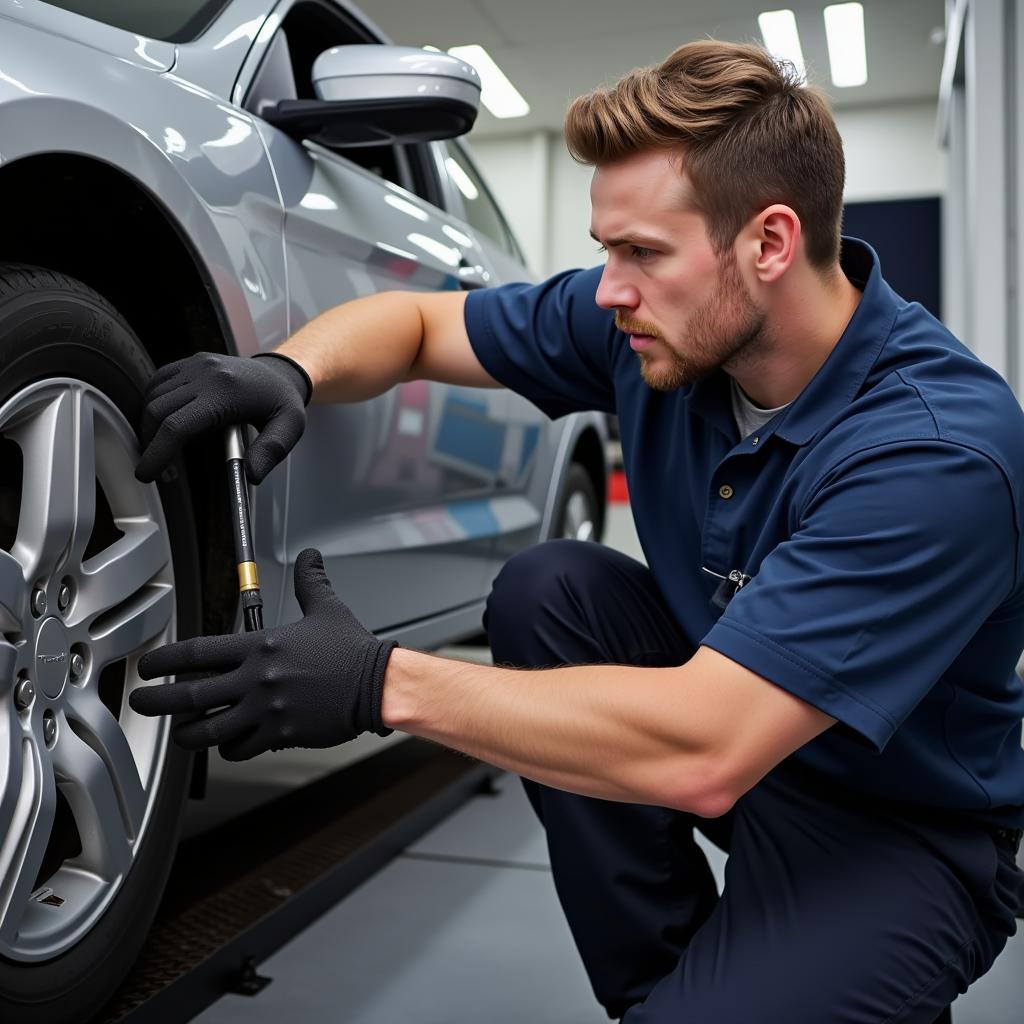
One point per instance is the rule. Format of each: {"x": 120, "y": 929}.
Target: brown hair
{"x": 748, "y": 135}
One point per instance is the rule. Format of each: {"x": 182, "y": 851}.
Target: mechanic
{"x": 818, "y": 668}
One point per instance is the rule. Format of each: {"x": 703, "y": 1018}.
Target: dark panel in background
{"x": 907, "y": 235}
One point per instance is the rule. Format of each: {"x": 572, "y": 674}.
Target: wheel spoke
{"x": 85, "y": 474}
{"x": 131, "y": 625}
{"x": 102, "y": 732}
{"x": 8, "y": 668}
{"x": 89, "y": 787}
{"x": 579, "y": 523}
{"x": 120, "y": 570}
{"x": 13, "y": 593}
{"x": 58, "y": 505}
{"x": 28, "y": 805}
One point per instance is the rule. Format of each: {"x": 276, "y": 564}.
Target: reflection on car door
{"x": 520, "y": 507}
{"x": 396, "y": 491}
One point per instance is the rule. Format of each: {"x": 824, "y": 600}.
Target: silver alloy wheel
{"x": 579, "y": 518}
{"x": 69, "y": 766}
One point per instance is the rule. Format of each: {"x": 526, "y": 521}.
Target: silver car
{"x": 209, "y": 175}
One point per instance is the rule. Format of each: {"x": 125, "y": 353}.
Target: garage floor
{"x": 465, "y": 926}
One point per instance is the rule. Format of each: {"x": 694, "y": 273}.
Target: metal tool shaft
{"x": 245, "y": 555}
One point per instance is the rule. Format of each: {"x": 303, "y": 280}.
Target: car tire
{"x": 578, "y": 513}
{"x": 55, "y": 333}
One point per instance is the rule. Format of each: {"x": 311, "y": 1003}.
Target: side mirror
{"x": 377, "y": 95}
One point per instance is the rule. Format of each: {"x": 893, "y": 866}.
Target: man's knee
{"x": 536, "y": 598}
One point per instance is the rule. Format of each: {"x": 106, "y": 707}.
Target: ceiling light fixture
{"x": 844, "y": 27}
{"x": 498, "y": 95}
{"x": 778, "y": 30}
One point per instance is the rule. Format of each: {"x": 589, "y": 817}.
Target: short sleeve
{"x": 549, "y": 342}
{"x": 898, "y": 558}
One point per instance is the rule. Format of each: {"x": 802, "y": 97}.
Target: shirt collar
{"x": 840, "y": 377}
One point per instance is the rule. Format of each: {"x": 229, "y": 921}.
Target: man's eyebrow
{"x": 639, "y": 239}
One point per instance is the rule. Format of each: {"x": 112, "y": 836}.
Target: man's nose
{"x": 613, "y": 292}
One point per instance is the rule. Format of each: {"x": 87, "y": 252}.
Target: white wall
{"x": 982, "y": 83}
{"x": 891, "y": 153}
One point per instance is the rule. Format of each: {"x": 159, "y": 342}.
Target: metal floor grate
{"x": 241, "y": 891}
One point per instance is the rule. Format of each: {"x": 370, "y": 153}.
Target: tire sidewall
{"x": 66, "y": 326}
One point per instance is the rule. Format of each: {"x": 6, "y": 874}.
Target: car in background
{"x": 180, "y": 177}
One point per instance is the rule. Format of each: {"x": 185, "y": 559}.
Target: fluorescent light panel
{"x": 844, "y": 27}
{"x": 499, "y": 95}
{"x": 778, "y": 30}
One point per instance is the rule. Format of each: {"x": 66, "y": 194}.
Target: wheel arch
{"x": 88, "y": 219}
{"x": 582, "y": 440}
{"x": 85, "y": 218}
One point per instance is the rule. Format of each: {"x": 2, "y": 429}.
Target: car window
{"x": 482, "y": 211}
{"x": 309, "y": 28}
{"x": 176, "y": 21}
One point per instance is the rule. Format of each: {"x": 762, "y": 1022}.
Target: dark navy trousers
{"x": 835, "y": 910}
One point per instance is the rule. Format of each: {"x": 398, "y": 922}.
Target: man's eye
{"x": 641, "y": 253}
{"x": 601, "y": 248}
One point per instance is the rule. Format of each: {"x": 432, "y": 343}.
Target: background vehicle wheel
{"x": 95, "y": 569}
{"x": 578, "y": 514}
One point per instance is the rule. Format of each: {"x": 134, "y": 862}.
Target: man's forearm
{"x": 360, "y": 349}
{"x": 609, "y": 731}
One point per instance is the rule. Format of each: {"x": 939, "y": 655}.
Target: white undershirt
{"x": 749, "y": 417}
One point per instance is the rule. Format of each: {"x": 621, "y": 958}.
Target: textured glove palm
{"x": 312, "y": 683}
{"x": 207, "y": 390}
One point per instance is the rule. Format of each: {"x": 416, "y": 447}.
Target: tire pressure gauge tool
{"x": 245, "y": 556}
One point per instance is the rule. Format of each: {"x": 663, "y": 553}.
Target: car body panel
{"x": 527, "y": 510}
{"x": 148, "y": 54}
{"x": 200, "y": 158}
{"x": 386, "y": 499}
{"x": 444, "y": 482}
{"x": 214, "y": 59}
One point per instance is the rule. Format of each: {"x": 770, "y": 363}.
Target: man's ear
{"x": 775, "y": 238}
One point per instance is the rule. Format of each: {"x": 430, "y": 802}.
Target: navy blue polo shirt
{"x": 878, "y": 518}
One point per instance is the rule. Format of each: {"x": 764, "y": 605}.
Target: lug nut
{"x": 49, "y": 728}
{"x": 63, "y": 597}
{"x": 24, "y": 693}
{"x": 77, "y": 665}
{"x": 38, "y": 602}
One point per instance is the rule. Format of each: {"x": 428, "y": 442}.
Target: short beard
{"x": 728, "y": 328}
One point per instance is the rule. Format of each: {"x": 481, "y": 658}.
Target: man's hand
{"x": 208, "y": 390}
{"x": 313, "y": 683}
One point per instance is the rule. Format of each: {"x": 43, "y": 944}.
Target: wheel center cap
{"x": 52, "y": 657}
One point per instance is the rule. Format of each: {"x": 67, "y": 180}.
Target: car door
{"x": 520, "y": 507}
{"x": 395, "y": 491}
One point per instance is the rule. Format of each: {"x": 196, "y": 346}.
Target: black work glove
{"x": 208, "y": 389}
{"x": 312, "y": 683}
